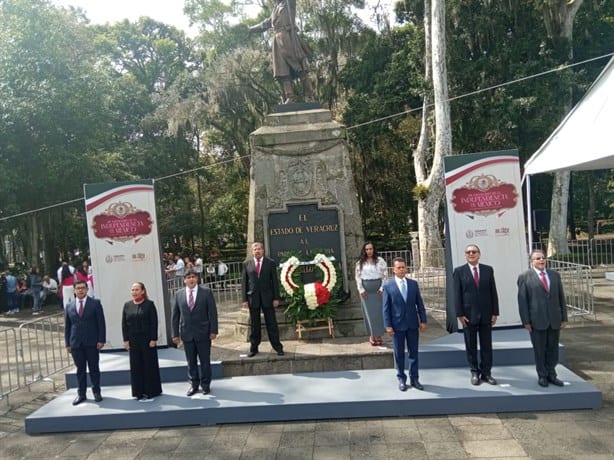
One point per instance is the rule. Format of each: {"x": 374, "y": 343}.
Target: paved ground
{"x": 587, "y": 434}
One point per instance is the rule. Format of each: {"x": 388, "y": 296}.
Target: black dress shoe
{"x": 206, "y": 390}
{"x": 402, "y": 386}
{"x": 251, "y": 354}
{"x": 475, "y": 379}
{"x": 280, "y": 353}
{"x": 78, "y": 400}
{"x": 555, "y": 381}
{"x": 97, "y": 397}
{"x": 417, "y": 385}
{"x": 191, "y": 391}
{"x": 490, "y": 379}
{"x": 542, "y": 382}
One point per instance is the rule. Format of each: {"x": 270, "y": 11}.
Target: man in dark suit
{"x": 194, "y": 321}
{"x": 477, "y": 307}
{"x": 260, "y": 288}
{"x": 404, "y": 319}
{"x": 85, "y": 335}
{"x": 543, "y": 312}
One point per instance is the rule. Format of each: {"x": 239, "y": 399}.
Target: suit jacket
{"x": 140, "y": 322}
{"x": 400, "y": 314}
{"x": 87, "y": 330}
{"x": 260, "y": 291}
{"x": 478, "y": 304}
{"x": 537, "y": 307}
{"x": 198, "y": 324}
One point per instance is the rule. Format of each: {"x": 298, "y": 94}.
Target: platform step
{"x": 510, "y": 347}
{"x": 115, "y": 368}
{"x": 316, "y": 396}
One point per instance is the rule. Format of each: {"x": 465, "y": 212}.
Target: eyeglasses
{"x": 471, "y": 252}
{"x": 539, "y": 258}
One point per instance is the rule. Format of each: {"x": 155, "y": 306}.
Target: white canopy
{"x": 585, "y": 138}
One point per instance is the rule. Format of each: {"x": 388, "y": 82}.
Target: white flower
{"x": 310, "y": 296}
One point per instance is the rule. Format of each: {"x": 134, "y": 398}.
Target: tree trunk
{"x": 590, "y": 212}
{"x": 430, "y": 186}
{"x": 559, "y": 16}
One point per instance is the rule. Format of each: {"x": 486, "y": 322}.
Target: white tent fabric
{"x": 585, "y": 138}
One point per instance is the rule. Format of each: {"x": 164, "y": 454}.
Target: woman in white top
{"x": 370, "y": 274}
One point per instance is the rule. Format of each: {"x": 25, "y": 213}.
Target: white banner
{"x": 484, "y": 207}
{"x": 125, "y": 248}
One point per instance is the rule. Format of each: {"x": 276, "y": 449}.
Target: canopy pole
{"x": 529, "y": 213}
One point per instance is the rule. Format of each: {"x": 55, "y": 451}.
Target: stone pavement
{"x": 585, "y": 434}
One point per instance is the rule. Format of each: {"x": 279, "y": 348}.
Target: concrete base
{"x": 349, "y": 322}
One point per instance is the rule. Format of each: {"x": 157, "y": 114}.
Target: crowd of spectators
{"x": 27, "y": 290}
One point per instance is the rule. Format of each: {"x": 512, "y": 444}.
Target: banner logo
{"x": 484, "y": 195}
{"x": 122, "y": 222}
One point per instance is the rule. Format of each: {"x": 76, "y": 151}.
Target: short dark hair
{"x": 398, "y": 259}
{"x": 190, "y": 271}
{"x": 78, "y": 282}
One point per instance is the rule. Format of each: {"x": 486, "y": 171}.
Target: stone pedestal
{"x": 300, "y": 161}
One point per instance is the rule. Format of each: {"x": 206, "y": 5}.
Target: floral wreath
{"x": 312, "y": 300}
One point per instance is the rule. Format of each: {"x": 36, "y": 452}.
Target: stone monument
{"x": 302, "y": 198}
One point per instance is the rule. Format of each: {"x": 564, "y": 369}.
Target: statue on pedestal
{"x": 290, "y": 51}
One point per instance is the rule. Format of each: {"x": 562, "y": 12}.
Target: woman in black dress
{"x": 140, "y": 333}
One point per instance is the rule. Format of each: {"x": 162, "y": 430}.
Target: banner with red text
{"x": 484, "y": 207}
{"x": 125, "y": 248}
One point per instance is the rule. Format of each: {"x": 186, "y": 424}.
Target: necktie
{"x": 258, "y": 267}
{"x": 80, "y": 308}
{"x": 191, "y": 300}
{"x": 476, "y": 277}
{"x": 403, "y": 289}
{"x": 544, "y": 281}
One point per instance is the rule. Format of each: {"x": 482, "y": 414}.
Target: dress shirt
{"x": 471, "y": 269}
{"x": 187, "y": 294}
{"x": 539, "y": 275}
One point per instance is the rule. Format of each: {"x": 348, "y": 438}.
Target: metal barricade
{"x": 32, "y": 353}
{"x": 42, "y": 349}
{"x": 9, "y": 362}
{"x": 577, "y": 282}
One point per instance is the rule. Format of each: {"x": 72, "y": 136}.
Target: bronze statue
{"x": 290, "y": 51}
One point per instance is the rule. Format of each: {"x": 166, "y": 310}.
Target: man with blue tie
{"x": 194, "y": 322}
{"x": 404, "y": 319}
{"x": 543, "y": 312}
{"x": 84, "y": 334}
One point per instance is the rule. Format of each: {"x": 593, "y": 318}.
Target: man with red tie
{"x": 84, "y": 335}
{"x": 477, "y": 307}
{"x": 543, "y": 312}
{"x": 260, "y": 288}
{"x": 194, "y": 321}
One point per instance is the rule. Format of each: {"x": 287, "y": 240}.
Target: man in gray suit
{"x": 194, "y": 321}
{"x": 543, "y": 312}
{"x": 260, "y": 289}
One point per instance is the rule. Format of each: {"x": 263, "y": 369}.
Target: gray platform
{"x": 320, "y": 395}
{"x": 327, "y": 395}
